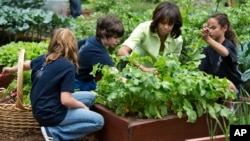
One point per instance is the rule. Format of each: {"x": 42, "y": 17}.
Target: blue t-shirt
{"x": 91, "y": 52}
{"x": 48, "y": 81}
{"x": 223, "y": 67}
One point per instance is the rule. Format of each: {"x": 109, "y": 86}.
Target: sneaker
{"x": 46, "y": 134}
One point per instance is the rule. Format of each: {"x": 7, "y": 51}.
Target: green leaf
{"x": 211, "y": 111}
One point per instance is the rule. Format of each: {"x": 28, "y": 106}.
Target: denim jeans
{"x": 78, "y": 122}
{"x": 75, "y": 8}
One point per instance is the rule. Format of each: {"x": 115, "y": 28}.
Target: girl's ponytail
{"x": 230, "y": 35}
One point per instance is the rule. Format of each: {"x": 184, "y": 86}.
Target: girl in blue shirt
{"x": 62, "y": 113}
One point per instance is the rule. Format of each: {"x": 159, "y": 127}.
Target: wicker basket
{"x": 18, "y": 117}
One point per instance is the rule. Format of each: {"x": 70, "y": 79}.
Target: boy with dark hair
{"x": 93, "y": 50}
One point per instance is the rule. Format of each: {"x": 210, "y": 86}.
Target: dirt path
{"x": 33, "y": 137}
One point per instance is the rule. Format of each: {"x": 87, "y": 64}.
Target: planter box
{"x": 170, "y": 128}
{"x": 85, "y": 12}
{"x": 215, "y": 138}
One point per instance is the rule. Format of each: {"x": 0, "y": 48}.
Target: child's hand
{"x": 86, "y": 107}
{"x": 232, "y": 87}
{"x": 204, "y": 31}
{"x": 9, "y": 70}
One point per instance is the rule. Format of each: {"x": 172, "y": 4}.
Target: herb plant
{"x": 177, "y": 89}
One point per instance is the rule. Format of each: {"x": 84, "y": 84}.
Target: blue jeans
{"x": 75, "y": 8}
{"x": 78, "y": 122}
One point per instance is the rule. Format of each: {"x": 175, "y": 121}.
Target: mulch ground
{"x": 33, "y": 137}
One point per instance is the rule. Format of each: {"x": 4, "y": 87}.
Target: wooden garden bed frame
{"x": 169, "y": 128}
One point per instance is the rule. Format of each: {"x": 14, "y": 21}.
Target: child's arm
{"x": 11, "y": 70}
{"x": 70, "y": 102}
{"x": 217, "y": 46}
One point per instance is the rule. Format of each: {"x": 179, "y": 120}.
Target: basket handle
{"x": 19, "y": 99}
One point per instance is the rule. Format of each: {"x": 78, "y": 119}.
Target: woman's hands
{"x": 145, "y": 69}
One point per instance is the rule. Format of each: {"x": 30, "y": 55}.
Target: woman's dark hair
{"x": 167, "y": 11}
{"x": 223, "y": 21}
{"x": 109, "y": 26}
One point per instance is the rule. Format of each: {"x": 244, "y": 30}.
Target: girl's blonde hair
{"x": 63, "y": 44}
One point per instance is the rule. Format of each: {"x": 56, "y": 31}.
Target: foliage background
{"x": 194, "y": 15}
{"x": 133, "y": 12}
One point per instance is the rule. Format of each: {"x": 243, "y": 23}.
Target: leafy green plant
{"x": 9, "y": 53}
{"x": 34, "y": 23}
{"x": 24, "y": 3}
{"x": 239, "y": 116}
{"x": 244, "y": 56}
{"x": 244, "y": 63}
{"x": 84, "y": 27}
{"x": 239, "y": 21}
{"x": 242, "y": 113}
{"x": 177, "y": 89}
{"x": 104, "y": 5}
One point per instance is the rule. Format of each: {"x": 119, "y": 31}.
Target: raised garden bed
{"x": 215, "y": 138}
{"x": 85, "y": 12}
{"x": 170, "y": 128}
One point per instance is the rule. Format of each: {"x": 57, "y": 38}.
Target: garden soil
{"x": 34, "y": 137}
